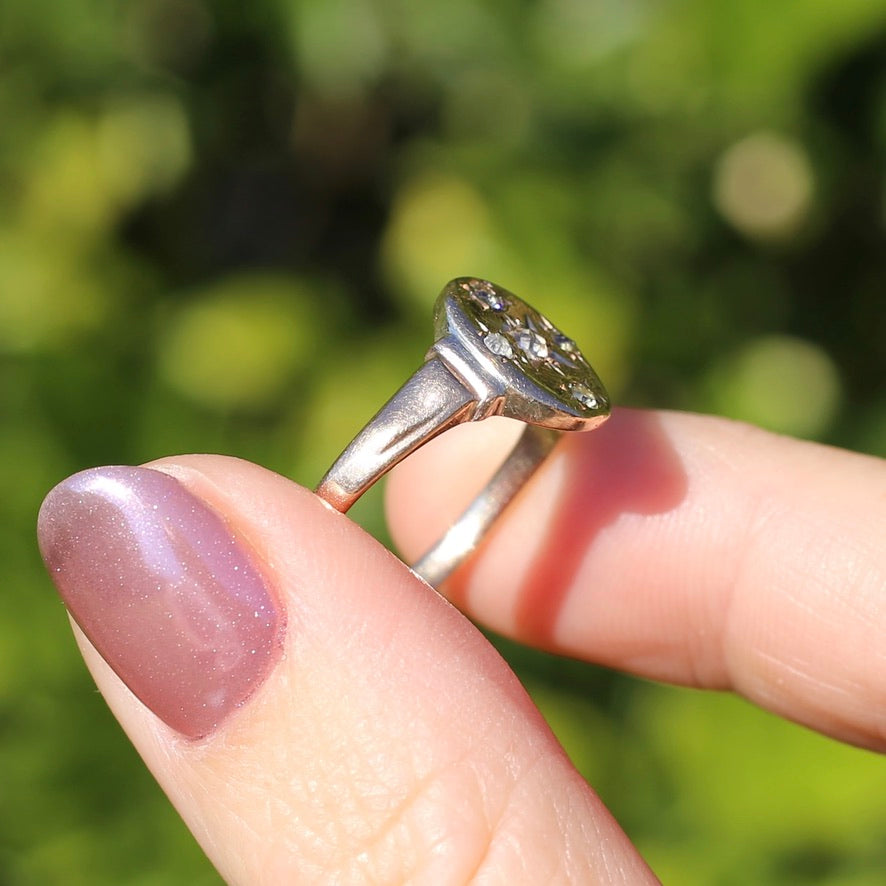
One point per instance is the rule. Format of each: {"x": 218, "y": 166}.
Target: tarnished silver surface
{"x": 493, "y": 355}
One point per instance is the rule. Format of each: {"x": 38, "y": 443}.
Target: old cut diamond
{"x": 530, "y": 356}
{"x": 487, "y": 296}
{"x": 565, "y": 343}
{"x": 531, "y": 343}
{"x": 498, "y": 344}
{"x": 584, "y": 396}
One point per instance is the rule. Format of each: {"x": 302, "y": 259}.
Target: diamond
{"x": 585, "y": 396}
{"x": 531, "y": 343}
{"x": 487, "y": 296}
{"x": 528, "y": 354}
{"x": 565, "y": 343}
{"x": 498, "y": 344}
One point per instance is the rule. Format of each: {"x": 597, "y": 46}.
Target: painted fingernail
{"x": 170, "y": 598}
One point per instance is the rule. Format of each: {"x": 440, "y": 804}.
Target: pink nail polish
{"x": 169, "y": 597}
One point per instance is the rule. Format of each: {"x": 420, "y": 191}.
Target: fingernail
{"x": 168, "y": 596}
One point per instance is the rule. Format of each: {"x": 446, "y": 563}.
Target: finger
{"x": 315, "y": 713}
{"x": 683, "y": 548}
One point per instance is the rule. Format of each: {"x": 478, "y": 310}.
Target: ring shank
{"x": 463, "y": 537}
{"x": 432, "y": 401}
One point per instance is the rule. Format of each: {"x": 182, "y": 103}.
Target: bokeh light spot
{"x": 577, "y": 33}
{"x": 238, "y": 345}
{"x": 144, "y": 146}
{"x": 440, "y": 227}
{"x": 46, "y": 296}
{"x": 339, "y": 45}
{"x": 779, "y": 382}
{"x": 763, "y": 186}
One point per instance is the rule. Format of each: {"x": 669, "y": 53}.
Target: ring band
{"x": 493, "y": 355}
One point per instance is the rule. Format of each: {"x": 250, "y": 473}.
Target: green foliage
{"x": 217, "y": 218}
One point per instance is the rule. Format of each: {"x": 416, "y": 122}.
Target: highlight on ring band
{"x": 493, "y": 354}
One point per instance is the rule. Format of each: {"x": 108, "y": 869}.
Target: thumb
{"x": 314, "y": 711}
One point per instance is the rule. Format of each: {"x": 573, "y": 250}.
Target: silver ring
{"x": 493, "y": 354}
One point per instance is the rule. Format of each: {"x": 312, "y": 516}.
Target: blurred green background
{"x": 222, "y": 227}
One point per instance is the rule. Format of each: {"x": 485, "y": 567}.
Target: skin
{"x": 392, "y": 744}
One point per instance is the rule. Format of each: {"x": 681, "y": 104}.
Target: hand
{"x": 370, "y": 733}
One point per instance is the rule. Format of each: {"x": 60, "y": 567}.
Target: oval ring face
{"x": 525, "y": 346}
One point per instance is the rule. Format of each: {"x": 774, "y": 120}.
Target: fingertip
{"x": 385, "y": 711}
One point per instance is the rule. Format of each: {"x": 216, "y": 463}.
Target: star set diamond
{"x": 517, "y": 333}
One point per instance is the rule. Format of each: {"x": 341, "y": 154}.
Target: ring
{"x": 493, "y": 354}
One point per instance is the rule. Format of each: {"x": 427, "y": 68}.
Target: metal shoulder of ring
{"x": 493, "y": 355}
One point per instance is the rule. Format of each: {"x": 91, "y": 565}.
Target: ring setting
{"x": 544, "y": 378}
{"x": 493, "y": 354}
